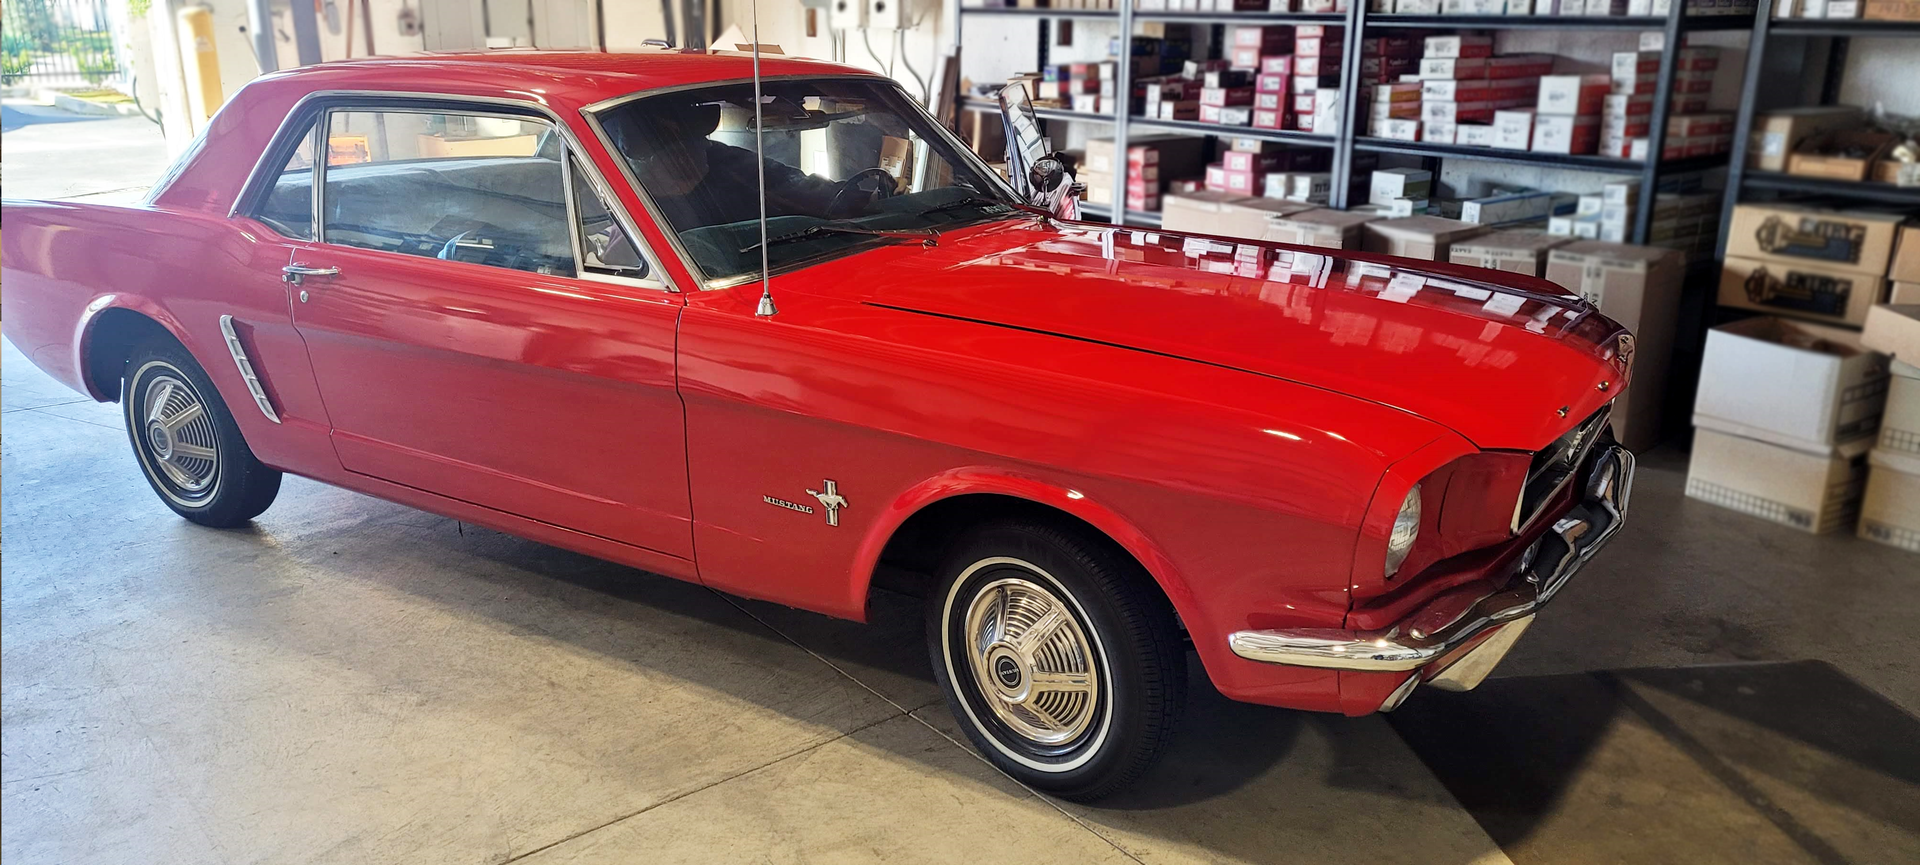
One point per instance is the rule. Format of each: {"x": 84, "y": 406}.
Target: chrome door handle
{"x": 293, "y": 273}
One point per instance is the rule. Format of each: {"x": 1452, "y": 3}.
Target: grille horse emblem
{"x": 830, "y": 499}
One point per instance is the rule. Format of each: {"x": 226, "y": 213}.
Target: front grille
{"x": 1555, "y": 465}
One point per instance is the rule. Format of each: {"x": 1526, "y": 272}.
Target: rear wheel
{"x": 186, "y": 441}
{"x": 1058, "y": 658}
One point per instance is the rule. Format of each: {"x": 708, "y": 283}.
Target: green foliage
{"x": 15, "y": 43}
{"x": 14, "y": 65}
{"x": 97, "y": 68}
{"x": 137, "y": 9}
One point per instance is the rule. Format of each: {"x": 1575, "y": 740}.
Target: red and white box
{"x": 1695, "y": 125}
{"x": 1221, "y": 96}
{"x": 1281, "y": 63}
{"x": 1309, "y": 66}
{"x": 1397, "y": 130}
{"x": 1273, "y": 36}
{"x": 1438, "y": 133}
{"x": 1405, "y": 91}
{"x": 1474, "y": 134}
{"x": 1459, "y": 45}
{"x": 1560, "y": 133}
{"x": 1572, "y": 95}
{"x": 1456, "y": 112}
{"x": 1452, "y": 67}
{"x": 1456, "y": 90}
{"x": 1271, "y": 82}
{"x": 1390, "y": 110}
{"x": 1519, "y": 66}
{"x": 1629, "y": 64}
{"x": 1246, "y": 58}
{"x": 1269, "y": 119}
{"x": 1627, "y": 105}
{"x": 1263, "y": 101}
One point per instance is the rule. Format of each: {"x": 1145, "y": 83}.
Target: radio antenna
{"x": 766, "y": 308}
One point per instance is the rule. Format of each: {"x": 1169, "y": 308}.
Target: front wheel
{"x": 187, "y": 442}
{"x": 1058, "y": 656}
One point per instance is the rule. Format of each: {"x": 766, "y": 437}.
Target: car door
{"x": 482, "y": 325}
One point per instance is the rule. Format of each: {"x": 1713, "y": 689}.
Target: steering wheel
{"x": 884, "y": 189}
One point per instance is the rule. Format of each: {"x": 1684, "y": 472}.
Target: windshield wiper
{"x": 927, "y": 235}
{"x": 966, "y": 201}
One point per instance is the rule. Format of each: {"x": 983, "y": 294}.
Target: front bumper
{"x": 1456, "y": 638}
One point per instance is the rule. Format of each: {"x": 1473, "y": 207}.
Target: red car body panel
{"x": 1242, "y": 418}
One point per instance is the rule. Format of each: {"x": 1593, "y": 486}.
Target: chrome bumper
{"x": 1454, "y": 619}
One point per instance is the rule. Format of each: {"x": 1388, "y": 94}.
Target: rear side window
{"x": 460, "y": 187}
{"x": 287, "y": 206}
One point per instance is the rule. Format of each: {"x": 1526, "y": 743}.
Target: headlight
{"x": 1406, "y": 527}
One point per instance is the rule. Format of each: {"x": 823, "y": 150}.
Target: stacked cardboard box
{"x": 1079, "y": 86}
{"x": 1316, "y": 78}
{"x": 1225, "y": 214}
{"x": 1890, "y": 509}
{"x": 1627, "y": 111}
{"x": 1465, "y": 99}
{"x": 1515, "y": 250}
{"x": 1151, "y": 162}
{"x": 1904, "y": 273}
{"x": 1567, "y": 113}
{"x": 1824, "y": 265}
{"x": 1639, "y": 287}
{"x": 1293, "y": 174}
{"x": 1430, "y": 238}
{"x": 1785, "y": 414}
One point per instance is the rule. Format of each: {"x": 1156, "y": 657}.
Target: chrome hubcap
{"x": 179, "y": 434}
{"x": 1032, "y": 662}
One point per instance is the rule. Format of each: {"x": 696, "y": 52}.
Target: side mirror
{"x": 1038, "y": 173}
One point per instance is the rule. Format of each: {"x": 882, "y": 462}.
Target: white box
{"x": 1390, "y": 183}
{"x": 1812, "y": 492}
{"x": 1791, "y": 384}
{"x": 1474, "y": 134}
{"x": 1890, "y": 510}
{"x": 1513, "y": 130}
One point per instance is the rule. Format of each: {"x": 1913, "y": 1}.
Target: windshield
{"x": 849, "y": 160}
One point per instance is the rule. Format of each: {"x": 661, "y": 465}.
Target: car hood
{"x": 1509, "y": 363}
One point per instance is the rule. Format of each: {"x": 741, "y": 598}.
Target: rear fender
{"x": 86, "y": 328}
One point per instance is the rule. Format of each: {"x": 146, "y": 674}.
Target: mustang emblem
{"x": 831, "y": 500}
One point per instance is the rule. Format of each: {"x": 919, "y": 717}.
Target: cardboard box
{"x": 1639, "y": 287}
{"x": 1424, "y": 237}
{"x": 1890, "y": 510}
{"x": 1787, "y": 287}
{"x": 1513, "y": 130}
{"x": 1572, "y": 94}
{"x": 1807, "y": 158}
{"x": 1816, "y": 493}
{"x": 1556, "y": 133}
{"x": 1836, "y": 239}
{"x": 1891, "y": 10}
{"x": 1894, "y": 331}
{"x": 1519, "y": 250}
{"x": 1329, "y": 229}
{"x": 1223, "y": 214}
{"x": 1792, "y": 384}
{"x": 1899, "y": 442}
{"x": 1903, "y": 294}
{"x": 1776, "y": 133}
{"x": 1906, "y": 256}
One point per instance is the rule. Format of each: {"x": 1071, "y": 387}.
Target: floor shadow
{"x": 19, "y": 117}
{"x": 1790, "y": 762}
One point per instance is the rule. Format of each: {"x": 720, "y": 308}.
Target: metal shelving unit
{"x": 1792, "y": 65}
{"x": 1349, "y": 142}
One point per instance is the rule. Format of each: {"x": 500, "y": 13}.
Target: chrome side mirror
{"x": 1038, "y": 174}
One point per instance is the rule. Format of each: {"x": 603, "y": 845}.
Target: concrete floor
{"x": 349, "y": 680}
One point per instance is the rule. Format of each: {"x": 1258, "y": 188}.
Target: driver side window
{"x": 605, "y": 247}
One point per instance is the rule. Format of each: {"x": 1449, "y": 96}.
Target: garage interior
{"x": 351, "y": 680}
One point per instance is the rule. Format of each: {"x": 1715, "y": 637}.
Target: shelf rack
{"x": 1348, "y": 141}
{"x": 1790, "y": 65}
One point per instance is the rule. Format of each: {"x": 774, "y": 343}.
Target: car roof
{"x": 585, "y": 76}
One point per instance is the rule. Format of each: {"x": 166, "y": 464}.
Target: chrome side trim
{"x": 1452, "y": 619}
{"x": 246, "y": 369}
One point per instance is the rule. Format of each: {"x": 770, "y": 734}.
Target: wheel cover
{"x": 1033, "y": 664}
{"x": 178, "y": 435}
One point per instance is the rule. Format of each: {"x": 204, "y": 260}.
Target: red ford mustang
{"x": 521, "y": 289}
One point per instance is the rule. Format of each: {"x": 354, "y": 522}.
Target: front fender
{"x": 978, "y": 480}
